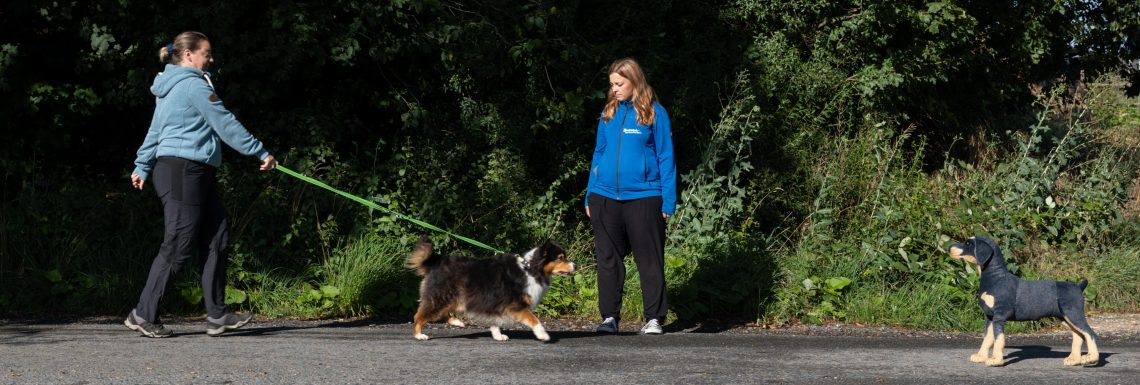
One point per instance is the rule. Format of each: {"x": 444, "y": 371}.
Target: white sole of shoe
{"x": 222, "y": 329}
{"x": 138, "y": 328}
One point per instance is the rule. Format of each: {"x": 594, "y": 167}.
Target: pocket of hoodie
{"x": 604, "y": 173}
{"x": 651, "y": 173}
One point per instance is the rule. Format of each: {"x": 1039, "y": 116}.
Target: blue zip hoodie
{"x": 632, "y": 160}
{"x": 190, "y": 122}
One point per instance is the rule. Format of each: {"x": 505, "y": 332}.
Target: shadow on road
{"x": 270, "y": 328}
{"x": 1037, "y": 351}
{"x": 555, "y": 336}
{"x": 711, "y": 326}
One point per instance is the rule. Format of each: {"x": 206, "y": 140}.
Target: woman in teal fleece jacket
{"x": 631, "y": 192}
{"x": 180, "y": 155}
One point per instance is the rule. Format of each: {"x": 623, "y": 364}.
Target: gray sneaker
{"x": 652, "y": 327}
{"x": 152, "y": 330}
{"x": 216, "y": 326}
{"x": 609, "y": 325}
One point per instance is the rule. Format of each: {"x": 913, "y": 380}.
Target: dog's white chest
{"x": 535, "y": 290}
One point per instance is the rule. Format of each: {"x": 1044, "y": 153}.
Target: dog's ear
{"x": 550, "y": 250}
{"x": 983, "y": 250}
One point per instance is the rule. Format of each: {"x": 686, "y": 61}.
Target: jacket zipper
{"x": 617, "y": 167}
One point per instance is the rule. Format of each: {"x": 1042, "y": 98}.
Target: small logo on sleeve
{"x": 213, "y": 98}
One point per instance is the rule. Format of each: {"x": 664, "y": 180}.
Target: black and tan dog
{"x": 1005, "y": 297}
{"x": 498, "y": 290}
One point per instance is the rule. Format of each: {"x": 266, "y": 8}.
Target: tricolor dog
{"x": 1005, "y": 297}
{"x": 499, "y": 290}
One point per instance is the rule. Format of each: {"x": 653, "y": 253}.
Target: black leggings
{"x": 195, "y": 222}
{"x": 622, "y": 226}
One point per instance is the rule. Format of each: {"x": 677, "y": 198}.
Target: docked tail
{"x": 1082, "y": 284}
{"x": 421, "y": 256}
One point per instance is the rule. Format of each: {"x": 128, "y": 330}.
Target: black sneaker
{"x": 609, "y": 325}
{"x": 152, "y": 330}
{"x": 216, "y": 326}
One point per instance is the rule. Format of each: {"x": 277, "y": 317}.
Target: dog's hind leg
{"x": 426, "y": 313}
{"x": 497, "y": 334}
{"x": 1082, "y": 329}
{"x": 1074, "y": 358}
{"x": 455, "y": 321}
{"x": 527, "y": 317}
{"x": 987, "y": 343}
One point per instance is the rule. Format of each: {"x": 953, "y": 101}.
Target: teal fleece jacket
{"x": 190, "y": 122}
{"x": 633, "y": 160}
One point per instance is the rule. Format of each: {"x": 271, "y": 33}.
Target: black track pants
{"x": 195, "y": 222}
{"x": 624, "y": 226}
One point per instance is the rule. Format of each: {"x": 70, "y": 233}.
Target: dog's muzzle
{"x": 565, "y": 272}
{"x": 956, "y": 252}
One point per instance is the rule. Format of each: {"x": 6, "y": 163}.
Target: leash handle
{"x": 373, "y": 205}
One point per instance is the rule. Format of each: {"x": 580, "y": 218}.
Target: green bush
{"x": 882, "y": 222}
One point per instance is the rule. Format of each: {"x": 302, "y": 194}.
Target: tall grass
{"x": 371, "y": 275}
{"x": 365, "y": 277}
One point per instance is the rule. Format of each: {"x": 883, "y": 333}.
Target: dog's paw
{"x": 1076, "y": 360}
{"x": 979, "y": 358}
{"x": 1090, "y": 360}
{"x": 995, "y": 361}
{"x": 422, "y": 337}
{"x": 540, "y": 333}
{"x": 456, "y": 322}
{"x": 497, "y": 334}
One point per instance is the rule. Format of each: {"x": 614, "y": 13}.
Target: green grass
{"x": 364, "y": 277}
{"x": 1114, "y": 282}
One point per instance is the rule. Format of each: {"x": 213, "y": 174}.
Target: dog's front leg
{"x": 526, "y": 317}
{"x": 540, "y": 332}
{"x": 987, "y": 342}
{"x": 998, "y": 356}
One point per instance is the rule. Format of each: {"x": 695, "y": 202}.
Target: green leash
{"x": 372, "y": 204}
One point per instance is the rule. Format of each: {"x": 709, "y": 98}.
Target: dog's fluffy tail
{"x": 421, "y": 256}
{"x": 1082, "y": 284}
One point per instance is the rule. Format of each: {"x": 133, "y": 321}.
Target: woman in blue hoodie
{"x": 631, "y": 192}
{"x": 180, "y": 155}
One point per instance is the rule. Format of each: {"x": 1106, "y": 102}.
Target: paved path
{"x": 362, "y": 353}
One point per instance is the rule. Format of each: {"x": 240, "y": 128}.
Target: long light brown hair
{"x": 642, "y": 97}
{"x": 188, "y": 40}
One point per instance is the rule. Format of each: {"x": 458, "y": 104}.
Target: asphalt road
{"x": 272, "y": 352}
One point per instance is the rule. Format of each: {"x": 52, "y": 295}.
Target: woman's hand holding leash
{"x": 268, "y": 164}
